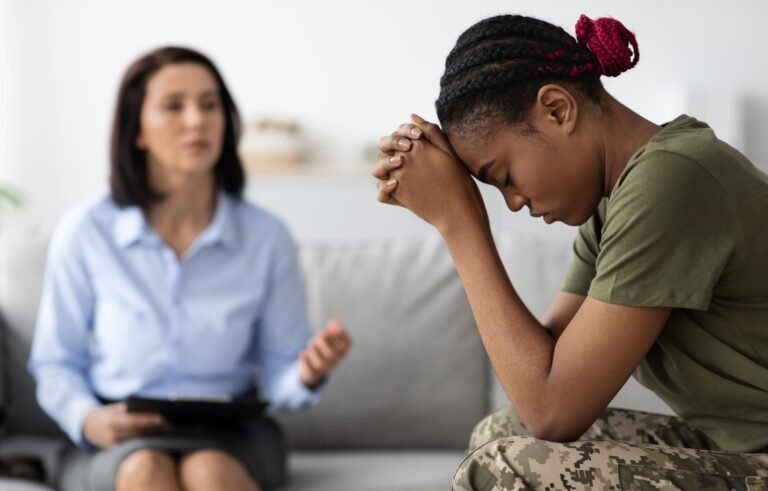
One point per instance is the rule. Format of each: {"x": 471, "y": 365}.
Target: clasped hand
{"x": 418, "y": 169}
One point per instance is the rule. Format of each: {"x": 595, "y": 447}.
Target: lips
{"x": 197, "y": 145}
{"x": 548, "y": 217}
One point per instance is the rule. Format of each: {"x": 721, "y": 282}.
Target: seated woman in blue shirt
{"x": 173, "y": 285}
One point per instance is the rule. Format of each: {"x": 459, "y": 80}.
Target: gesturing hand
{"x": 323, "y": 352}
{"x": 109, "y": 425}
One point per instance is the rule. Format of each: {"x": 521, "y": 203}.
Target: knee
{"x": 214, "y": 469}
{"x": 143, "y": 467}
{"x": 489, "y": 466}
{"x": 501, "y": 423}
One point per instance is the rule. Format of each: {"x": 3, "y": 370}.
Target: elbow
{"x": 558, "y": 426}
{"x": 555, "y": 434}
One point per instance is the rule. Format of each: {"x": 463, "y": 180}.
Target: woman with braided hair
{"x": 669, "y": 278}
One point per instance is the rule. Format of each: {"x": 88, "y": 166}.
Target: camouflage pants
{"x": 623, "y": 450}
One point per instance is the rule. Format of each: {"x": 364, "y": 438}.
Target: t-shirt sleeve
{"x": 669, "y": 235}
{"x": 585, "y": 250}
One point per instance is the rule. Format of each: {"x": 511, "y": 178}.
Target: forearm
{"x": 519, "y": 347}
{"x": 66, "y": 397}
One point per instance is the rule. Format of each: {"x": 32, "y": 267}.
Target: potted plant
{"x": 9, "y": 198}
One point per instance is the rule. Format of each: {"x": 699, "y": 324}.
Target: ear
{"x": 140, "y": 143}
{"x": 557, "y": 106}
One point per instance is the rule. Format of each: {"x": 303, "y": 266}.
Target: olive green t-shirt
{"x": 686, "y": 226}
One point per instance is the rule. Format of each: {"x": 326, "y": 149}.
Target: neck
{"x": 187, "y": 205}
{"x": 624, "y": 133}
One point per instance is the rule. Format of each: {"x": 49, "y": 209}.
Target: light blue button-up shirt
{"x": 120, "y": 314}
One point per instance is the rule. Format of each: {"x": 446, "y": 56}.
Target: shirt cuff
{"x": 298, "y": 395}
{"x": 74, "y": 424}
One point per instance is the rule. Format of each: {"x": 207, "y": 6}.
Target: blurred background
{"x": 320, "y": 82}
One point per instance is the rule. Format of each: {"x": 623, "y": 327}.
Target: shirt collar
{"x": 131, "y": 227}
{"x": 223, "y": 228}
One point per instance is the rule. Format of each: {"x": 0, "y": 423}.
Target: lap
{"x": 614, "y": 424}
{"x": 526, "y": 463}
{"x": 258, "y": 446}
{"x": 623, "y": 449}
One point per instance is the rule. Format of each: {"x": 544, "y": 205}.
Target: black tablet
{"x": 193, "y": 410}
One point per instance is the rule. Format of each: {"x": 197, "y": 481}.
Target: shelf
{"x": 310, "y": 172}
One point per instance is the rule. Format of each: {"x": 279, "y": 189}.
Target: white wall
{"x": 348, "y": 70}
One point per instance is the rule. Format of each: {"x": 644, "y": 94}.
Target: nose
{"x": 193, "y": 116}
{"x": 515, "y": 201}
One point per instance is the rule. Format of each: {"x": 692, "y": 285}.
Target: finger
{"x": 385, "y": 190}
{"x": 312, "y": 363}
{"x": 127, "y": 433}
{"x": 409, "y": 130}
{"x": 386, "y": 165}
{"x": 336, "y": 336}
{"x": 324, "y": 355}
{"x": 117, "y": 407}
{"x": 321, "y": 348}
{"x": 130, "y": 422}
{"x": 324, "y": 348}
{"x": 333, "y": 327}
{"x": 390, "y": 144}
{"x": 433, "y": 133}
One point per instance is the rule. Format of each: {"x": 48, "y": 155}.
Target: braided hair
{"x": 494, "y": 72}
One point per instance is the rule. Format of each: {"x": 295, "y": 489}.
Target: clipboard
{"x": 200, "y": 410}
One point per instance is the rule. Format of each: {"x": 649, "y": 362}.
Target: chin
{"x": 574, "y": 220}
{"x": 577, "y": 221}
{"x": 198, "y": 166}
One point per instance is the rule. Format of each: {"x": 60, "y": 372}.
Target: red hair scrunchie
{"x": 610, "y": 41}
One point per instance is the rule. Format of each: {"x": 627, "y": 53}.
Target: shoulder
{"x": 685, "y": 151}
{"x": 669, "y": 191}
{"x": 85, "y": 219}
{"x": 666, "y": 175}
{"x": 660, "y": 168}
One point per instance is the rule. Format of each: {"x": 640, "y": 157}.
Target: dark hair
{"x": 128, "y": 178}
{"x": 498, "y": 65}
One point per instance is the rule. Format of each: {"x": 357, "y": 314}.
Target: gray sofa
{"x": 396, "y": 414}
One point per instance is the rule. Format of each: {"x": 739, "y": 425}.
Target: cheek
{"x": 539, "y": 177}
{"x": 218, "y": 125}
{"x": 156, "y": 127}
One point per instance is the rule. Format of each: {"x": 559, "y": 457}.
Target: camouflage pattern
{"x": 623, "y": 450}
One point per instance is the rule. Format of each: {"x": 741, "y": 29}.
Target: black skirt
{"x": 258, "y": 445}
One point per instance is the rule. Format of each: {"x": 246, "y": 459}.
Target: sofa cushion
{"x": 372, "y": 471}
{"x": 22, "y": 262}
{"x": 417, "y": 374}
{"x": 45, "y": 448}
{"x": 20, "y": 485}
